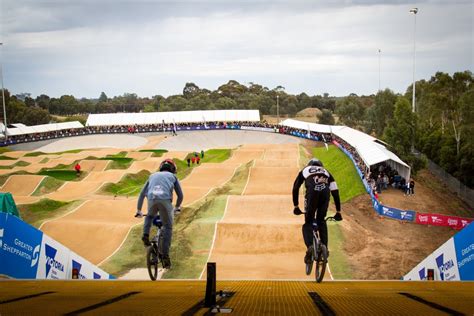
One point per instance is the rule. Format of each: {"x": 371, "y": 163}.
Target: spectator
{"x": 189, "y": 162}
{"x": 77, "y": 167}
{"x": 193, "y": 160}
{"x": 197, "y": 160}
{"x": 412, "y": 186}
{"x": 202, "y": 153}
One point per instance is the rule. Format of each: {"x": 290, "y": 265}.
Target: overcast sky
{"x": 155, "y": 47}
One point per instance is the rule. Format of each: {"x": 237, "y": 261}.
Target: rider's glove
{"x": 297, "y": 211}
{"x": 338, "y": 216}
{"x": 177, "y": 210}
{"x": 139, "y": 214}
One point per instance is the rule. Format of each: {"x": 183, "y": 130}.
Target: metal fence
{"x": 465, "y": 193}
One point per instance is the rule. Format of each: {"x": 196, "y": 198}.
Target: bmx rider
{"x": 159, "y": 192}
{"x": 319, "y": 184}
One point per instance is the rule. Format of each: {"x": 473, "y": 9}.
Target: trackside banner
{"x": 453, "y": 261}
{"x": 27, "y": 253}
{"x": 258, "y": 129}
{"x": 408, "y": 215}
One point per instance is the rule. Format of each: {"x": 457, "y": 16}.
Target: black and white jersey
{"x": 316, "y": 179}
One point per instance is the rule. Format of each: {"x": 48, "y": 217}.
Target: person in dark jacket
{"x": 319, "y": 185}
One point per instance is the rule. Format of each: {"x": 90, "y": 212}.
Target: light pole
{"x": 3, "y": 96}
{"x": 414, "y": 11}
{"x": 379, "y": 67}
{"x": 278, "y": 110}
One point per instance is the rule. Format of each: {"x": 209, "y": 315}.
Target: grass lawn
{"x": 6, "y": 158}
{"x": 343, "y": 170}
{"x": 35, "y": 214}
{"x": 20, "y": 163}
{"x": 156, "y": 152}
{"x": 350, "y": 186}
{"x": 118, "y": 161}
{"x": 4, "y": 150}
{"x": 131, "y": 184}
{"x": 40, "y": 153}
{"x": 48, "y": 185}
{"x": 63, "y": 175}
{"x": 192, "y": 235}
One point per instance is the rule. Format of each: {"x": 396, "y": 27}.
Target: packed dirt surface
{"x": 93, "y": 165}
{"x": 95, "y": 229}
{"x": 75, "y": 190}
{"x": 379, "y": 248}
{"x": 259, "y": 237}
{"x": 21, "y": 184}
{"x": 430, "y": 196}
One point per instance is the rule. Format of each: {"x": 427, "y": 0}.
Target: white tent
{"x": 369, "y": 148}
{"x": 173, "y": 117}
{"x": 21, "y": 129}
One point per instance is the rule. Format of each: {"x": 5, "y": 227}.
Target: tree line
{"x": 441, "y": 127}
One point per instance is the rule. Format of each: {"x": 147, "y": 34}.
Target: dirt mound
{"x": 22, "y": 184}
{"x": 309, "y": 112}
{"x": 268, "y": 180}
{"x": 380, "y": 248}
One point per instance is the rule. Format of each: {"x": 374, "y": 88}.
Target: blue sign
{"x": 464, "y": 244}
{"x": 396, "y": 213}
{"x": 20, "y": 246}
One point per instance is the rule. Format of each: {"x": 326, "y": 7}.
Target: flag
{"x": 327, "y": 147}
{"x": 309, "y": 132}
{"x": 204, "y": 119}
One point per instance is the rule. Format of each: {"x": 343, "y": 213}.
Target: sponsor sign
{"x": 443, "y": 261}
{"x": 464, "y": 245}
{"x": 397, "y": 214}
{"x": 83, "y": 269}
{"x": 442, "y": 220}
{"x": 54, "y": 260}
{"x": 259, "y": 129}
{"x": 20, "y": 246}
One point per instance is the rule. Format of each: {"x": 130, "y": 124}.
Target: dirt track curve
{"x": 258, "y": 237}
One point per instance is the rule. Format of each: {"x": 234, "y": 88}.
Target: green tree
{"x": 400, "y": 130}
{"x": 103, "y": 97}
{"x": 325, "y": 117}
{"x": 350, "y": 110}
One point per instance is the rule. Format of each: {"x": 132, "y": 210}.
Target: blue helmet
{"x": 315, "y": 162}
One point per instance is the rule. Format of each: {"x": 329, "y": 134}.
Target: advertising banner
{"x": 464, "y": 245}
{"x": 259, "y": 129}
{"x": 80, "y": 268}
{"x": 397, "y": 214}
{"x": 53, "y": 261}
{"x": 20, "y": 247}
{"x": 443, "y": 261}
{"x": 442, "y": 220}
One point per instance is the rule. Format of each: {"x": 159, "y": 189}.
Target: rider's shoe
{"x": 146, "y": 240}
{"x": 308, "y": 258}
{"x": 166, "y": 262}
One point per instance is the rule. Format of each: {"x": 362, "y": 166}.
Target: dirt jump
{"x": 259, "y": 237}
{"x": 95, "y": 229}
{"x": 23, "y": 185}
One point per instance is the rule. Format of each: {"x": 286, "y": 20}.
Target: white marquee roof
{"x": 370, "y": 151}
{"x": 170, "y": 117}
{"x": 21, "y": 129}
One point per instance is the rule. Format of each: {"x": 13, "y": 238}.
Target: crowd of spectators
{"x": 172, "y": 128}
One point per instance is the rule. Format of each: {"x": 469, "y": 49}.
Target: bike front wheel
{"x": 152, "y": 260}
{"x": 321, "y": 262}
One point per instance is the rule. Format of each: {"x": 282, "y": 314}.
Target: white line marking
{"x": 214, "y": 238}
{"x": 70, "y": 212}
{"x": 121, "y": 244}
{"x": 248, "y": 178}
{"x": 36, "y": 186}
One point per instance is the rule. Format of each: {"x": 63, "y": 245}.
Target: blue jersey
{"x": 160, "y": 186}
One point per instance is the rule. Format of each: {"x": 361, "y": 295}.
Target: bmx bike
{"x": 154, "y": 252}
{"x": 319, "y": 254}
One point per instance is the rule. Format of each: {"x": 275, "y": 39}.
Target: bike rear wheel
{"x": 321, "y": 262}
{"x": 152, "y": 259}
